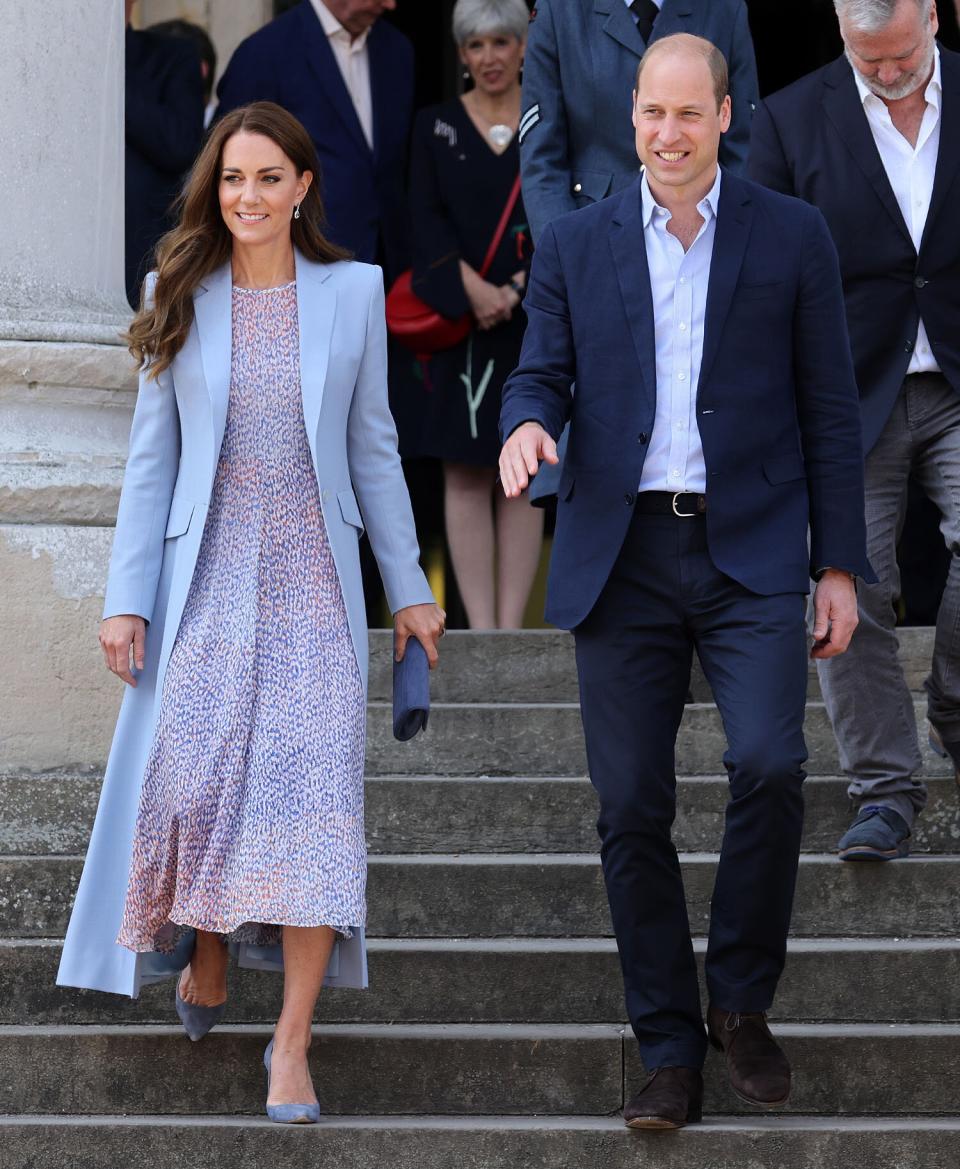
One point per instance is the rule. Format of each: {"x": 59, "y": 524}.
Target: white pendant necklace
{"x": 499, "y": 133}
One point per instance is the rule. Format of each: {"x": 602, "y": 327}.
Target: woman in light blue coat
{"x": 231, "y": 815}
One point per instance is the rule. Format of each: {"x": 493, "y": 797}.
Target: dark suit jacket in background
{"x": 164, "y": 128}
{"x": 290, "y": 62}
{"x": 813, "y": 140}
{"x": 578, "y": 74}
{"x": 776, "y": 400}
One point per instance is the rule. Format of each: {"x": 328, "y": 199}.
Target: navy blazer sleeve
{"x": 540, "y": 388}
{"x": 828, "y": 408}
{"x": 744, "y": 95}
{"x": 248, "y": 77}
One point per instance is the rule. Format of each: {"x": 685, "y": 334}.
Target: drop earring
{"x": 296, "y": 211}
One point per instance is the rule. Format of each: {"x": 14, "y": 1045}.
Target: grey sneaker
{"x": 946, "y": 750}
{"x": 877, "y": 834}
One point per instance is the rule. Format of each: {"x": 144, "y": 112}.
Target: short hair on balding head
{"x": 685, "y": 42}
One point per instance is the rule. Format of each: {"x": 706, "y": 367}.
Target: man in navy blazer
{"x": 715, "y": 423}
{"x": 577, "y": 74}
{"x": 360, "y": 129}
{"x": 578, "y": 70}
{"x": 873, "y": 141}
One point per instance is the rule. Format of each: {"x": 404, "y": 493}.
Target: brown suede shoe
{"x": 758, "y": 1069}
{"x": 671, "y": 1098}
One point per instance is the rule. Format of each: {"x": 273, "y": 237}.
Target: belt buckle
{"x": 684, "y": 515}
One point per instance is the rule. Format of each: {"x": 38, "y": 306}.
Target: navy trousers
{"x": 664, "y": 598}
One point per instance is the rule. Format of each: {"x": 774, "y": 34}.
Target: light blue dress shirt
{"x": 659, "y": 3}
{"x": 678, "y": 284}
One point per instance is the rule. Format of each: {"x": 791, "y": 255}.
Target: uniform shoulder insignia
{"x": 527, "y": 121}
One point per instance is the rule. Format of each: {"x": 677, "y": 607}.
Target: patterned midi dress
{"x": 251, "y": 810}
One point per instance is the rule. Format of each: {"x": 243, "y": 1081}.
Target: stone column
{"x": 61, "y": 124}
{"x": 66, "y": 382}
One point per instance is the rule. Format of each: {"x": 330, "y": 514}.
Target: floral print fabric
{"x": 251, "y": 810}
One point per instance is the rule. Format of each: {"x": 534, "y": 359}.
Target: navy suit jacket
{"x": 776, "y": 401}
{"x": 289, "y": 61}
{"x": 576, "y": 141}
{"x": 164, "y": 131}
{"x": 813, "y": 140}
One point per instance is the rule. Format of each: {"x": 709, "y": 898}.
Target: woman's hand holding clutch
{"x": 424, "y": 622}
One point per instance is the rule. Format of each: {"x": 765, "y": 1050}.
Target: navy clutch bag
{"x": 411, "y": 692}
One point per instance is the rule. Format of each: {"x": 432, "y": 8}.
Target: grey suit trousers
{"x": 866, "y": 694}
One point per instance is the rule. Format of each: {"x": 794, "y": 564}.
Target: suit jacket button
{"x": 919, "y": 282}
{"x": 577, "y": 188}
{"x": 628, "y": 499}
{"x": 642, "y": 438}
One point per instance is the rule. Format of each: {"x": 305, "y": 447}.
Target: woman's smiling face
{"x": 259, "y": 188}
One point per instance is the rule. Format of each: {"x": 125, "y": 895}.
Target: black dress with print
{"x": 459, "y": 187}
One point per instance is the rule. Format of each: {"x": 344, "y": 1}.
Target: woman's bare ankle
{"x": 291, "y": 1040}
{"x": 204, "y": 981}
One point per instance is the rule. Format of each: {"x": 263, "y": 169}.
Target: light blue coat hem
{"x": 175, "y": 441}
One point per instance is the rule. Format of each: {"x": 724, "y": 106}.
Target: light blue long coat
{"x": 175, "y": 443}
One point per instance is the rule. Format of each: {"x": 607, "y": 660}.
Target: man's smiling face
{"x": 677, "y": 121}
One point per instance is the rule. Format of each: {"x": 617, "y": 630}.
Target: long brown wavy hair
{"x": 201, "y": 242}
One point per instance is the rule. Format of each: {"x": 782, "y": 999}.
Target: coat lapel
{"x": 633, "y": 276}
{"x": 325, "y": 69}
{"x": 618, "y": 23}
{"x": 734, "y": 218}
{"x": 212, "y": 308}
{"x": 316, "y": 313}
{"x": 948, "y": 156}
{"x": 675, "y": 16}
{"x": 842, "y": 105}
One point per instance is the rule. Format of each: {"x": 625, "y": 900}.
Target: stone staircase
{"x": 492, "y": 1036}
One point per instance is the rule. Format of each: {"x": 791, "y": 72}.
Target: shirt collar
{"x": 931, "y": 93}
{"x": 659, "y": 3}
{"x": 332, "y": 27}
{"x": 708, "y": 205}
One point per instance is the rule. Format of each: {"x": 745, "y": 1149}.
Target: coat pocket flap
{"x": 591, "y": 184}
{"x": 178, "y": 520}
{"x": 784, "y": 468}
{"x": 350, "y": 509}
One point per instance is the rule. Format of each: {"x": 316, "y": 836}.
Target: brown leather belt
{"x": 685, "y": 504}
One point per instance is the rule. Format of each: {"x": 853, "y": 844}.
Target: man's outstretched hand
{"x": 835, "y": 614}
{"x": 522, "y": 453}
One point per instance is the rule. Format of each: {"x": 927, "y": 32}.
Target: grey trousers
{"x": 865, "y": 691}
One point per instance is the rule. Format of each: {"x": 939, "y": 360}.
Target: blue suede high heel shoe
{"x": 197, "y": 1021}
{"x": 288, "y": 1113}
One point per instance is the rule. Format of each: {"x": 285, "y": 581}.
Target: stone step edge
{"x": 61, "y": 775}
{"x": 532, "y": 859}
{"x": 586, "y": 1124}
{"x": 532, "y": 1032}
{"x": 599, "y": 945}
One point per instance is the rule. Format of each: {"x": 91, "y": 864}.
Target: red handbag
{"x": 422, "y": 329}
